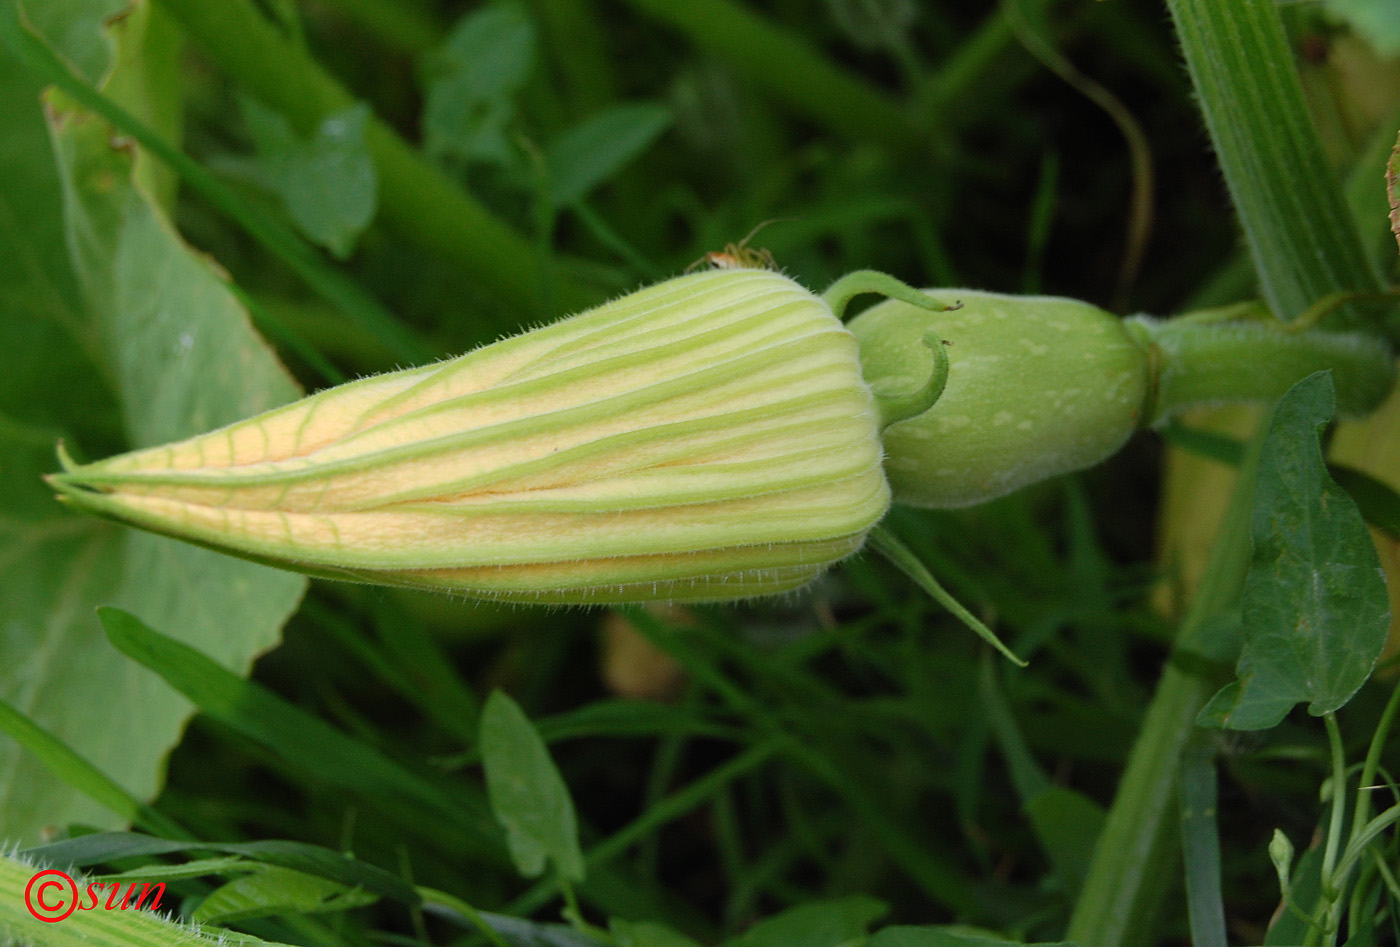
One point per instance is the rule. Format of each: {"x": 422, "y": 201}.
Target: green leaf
{"x": 199, "y": 868}
{"x": 106, "y": 847}
{"x": 326, "y": 180}
{"x": 1378, "y": 502}
{"x": 1315, "y": 609}
{"x": 97, "y": 928}
{"x": 1067, "y": 824}
{"x": 141, "y": 343}
{"x": 527, "y": 793}
{"x": 1377, "y": 20}
{"x": 77, "y": 31}
{"x": 596, "y": 149}
{"x": 470, "y": 83}
{"x": 646, "y": 934}
{"x": 307, "y": 742}
{"x": 275, "y": 890}
{"x": 820, "y": 924}
{"x": 944, "y": 937}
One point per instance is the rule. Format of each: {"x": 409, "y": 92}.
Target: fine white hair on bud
{"x": 706, "y": 438}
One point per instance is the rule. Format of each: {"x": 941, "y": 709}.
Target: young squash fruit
{"x": 1037, "y": 386}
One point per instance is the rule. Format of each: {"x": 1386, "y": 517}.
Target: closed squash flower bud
{"x": 705, "y": 438}
{"x": 1037, "y": 386}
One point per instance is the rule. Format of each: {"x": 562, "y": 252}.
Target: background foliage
{"x": 375, "y": 183}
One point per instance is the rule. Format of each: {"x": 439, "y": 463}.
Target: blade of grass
{"x": 302, "y": 739}
{"x": 939, "y": 879}
{"x": 665, "y": 810}
{"x": 454, "y": 815}
{"x": 77, "y": 772}
{"x": 405, "y": 27}
{"x": 1200, "y": 843}
{"x": 1033, "y": 32}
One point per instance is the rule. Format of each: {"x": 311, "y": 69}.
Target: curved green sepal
{"x": 65, "y": 459}
{"x": 902, "y": 558}
{"x": 911, "y": 404}
{"x": 840, "y": 293}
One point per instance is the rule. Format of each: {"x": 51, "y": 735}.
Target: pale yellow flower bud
{"x": 705, "y": 438}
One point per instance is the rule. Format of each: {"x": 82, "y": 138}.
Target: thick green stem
{"x": 416, "y": 198}
{"x": 1131, "y": 862}
{"x": 1202, "y": 362}
{"x": 1290, "y": 205}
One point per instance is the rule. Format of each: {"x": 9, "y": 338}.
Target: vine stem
{"x": 1199, "y": 359}
{"x": 1132, "y": 859}
{"x": 1331, "y": 888}
{"x": 1373, "y": 762}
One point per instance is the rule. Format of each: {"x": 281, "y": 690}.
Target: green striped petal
{"x": 705, "y": 438}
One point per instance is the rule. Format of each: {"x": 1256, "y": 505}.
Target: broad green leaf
{"x": 820, "y": 924}
{"x": 1378, "y": 502}
{"x": 593, "y": 151}
{"x": 1377, "y": 20}
{"x": 1315, "y": 609}
{"x": 274, "y": 890}
{"x": 141, "y": 342}
{"x": 96, "y": 928}
{"x": 527, "y": 793}
{"x": 646, "y": 934}
{"x": 325, "y": 180}
{"x": 944, "y": 937}
{"x": 1067, "y": 824}
{"x": 77, "y": 31}
{"x": 471, "y": 80}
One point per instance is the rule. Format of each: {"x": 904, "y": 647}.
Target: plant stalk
{"x": 1295, "y": 219}
{"x": 1132, "y": 858}
{"x": 1199, "y": 362}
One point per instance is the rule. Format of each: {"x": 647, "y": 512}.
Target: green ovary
{"x": 1037, "y": 386}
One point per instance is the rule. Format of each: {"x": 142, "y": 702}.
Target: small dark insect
{"x": 741, "y": 256}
